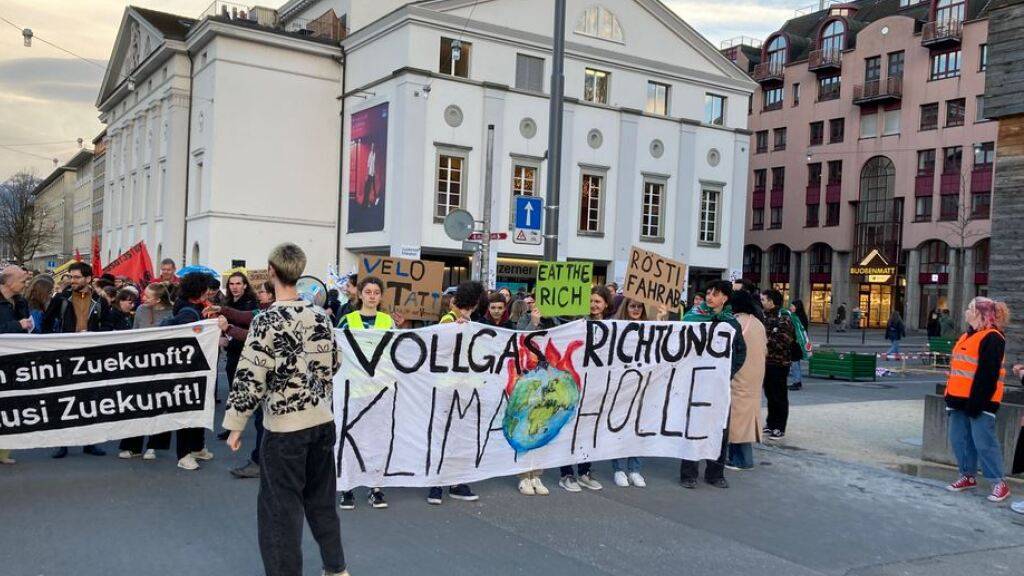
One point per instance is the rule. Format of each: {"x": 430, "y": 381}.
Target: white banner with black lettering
{"x": 86, "y": 388}
{"x": 464, "y": 402}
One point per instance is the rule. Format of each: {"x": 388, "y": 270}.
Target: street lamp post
{"x": 555, "y": 135}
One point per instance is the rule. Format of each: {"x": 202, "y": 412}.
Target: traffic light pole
{"x": 555, "y": 136}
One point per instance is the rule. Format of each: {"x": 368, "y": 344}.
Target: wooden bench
{"x": 826, "y": 363}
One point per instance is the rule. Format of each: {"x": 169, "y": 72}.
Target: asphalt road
{"x": 798, "y": 513}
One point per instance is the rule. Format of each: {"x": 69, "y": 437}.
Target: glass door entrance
{"x": 875, "y": 305}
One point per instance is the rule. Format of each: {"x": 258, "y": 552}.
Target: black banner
{"x": 100, "y": 405}
{"x": 44, "y": 369}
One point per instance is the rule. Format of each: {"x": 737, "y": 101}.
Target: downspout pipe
{"x": 341, "y": 161}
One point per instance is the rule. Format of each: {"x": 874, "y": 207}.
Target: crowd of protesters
{"x": 768, "y": 352}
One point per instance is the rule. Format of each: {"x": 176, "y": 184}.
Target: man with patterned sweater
{"x": 287, "y": 367}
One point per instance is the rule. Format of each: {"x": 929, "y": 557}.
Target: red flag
{"x": 134, "y": 264}
{"x": 97, "y": 268}
{"x": 78, "y": 255}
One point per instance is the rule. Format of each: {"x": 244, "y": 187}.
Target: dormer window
{"x": 775, "y": 54}
{"x": 833, "y": 37}
{"x": 599, "y": 22}
{"x": 949, "y": 11}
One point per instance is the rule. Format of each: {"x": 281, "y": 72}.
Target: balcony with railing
{"x": 768, "y": 72}
{"x": 879, "y": 91}
{"x": 942, "y": 33}
{"x": 825, "y": 61}
{"x": 325, "y": 27}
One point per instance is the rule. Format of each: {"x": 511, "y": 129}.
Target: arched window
{"x": 159, "y": 252}
{"x": 833, "y": 37}
{"x": 821, "y": 263}
{"x": 878, "y": 220}
{"x": 599, "y": 22}
{"x": 935, "y": 257}
{"x": 195, "y": 254}
{"x": 778, "y": 263}
{"x": 982, "y": 251}
{"x": 752, "y": 256}
{"x": 775, "y": 53}
{"x": 949, "y": 11}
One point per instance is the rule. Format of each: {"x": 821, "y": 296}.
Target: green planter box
{"x": 851, "y": 366}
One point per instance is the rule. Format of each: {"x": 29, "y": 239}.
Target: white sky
{"x": 47, "y": 96}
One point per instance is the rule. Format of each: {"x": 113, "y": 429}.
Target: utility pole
{"x": 555, "y": 135}
{"x": 485, "y": 242}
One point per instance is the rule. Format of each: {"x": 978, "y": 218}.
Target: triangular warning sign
{"x": 521, "y": 235}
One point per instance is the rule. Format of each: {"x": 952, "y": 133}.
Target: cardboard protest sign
{"x": 93, "y": 387}
{"x": 563, "y": 288}
{"x": 655, "y": 280}
{"x": 411, "y": 287}
{"x": 456, "y": 403}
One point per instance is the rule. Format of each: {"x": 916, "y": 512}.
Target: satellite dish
{"x": 458, "y": 224}
{"x": 312, "y": 290}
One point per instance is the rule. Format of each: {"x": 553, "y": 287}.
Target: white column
{"x": 628, "y": 198}
{"x": 407, "y": 122}
{"x": 913, "y": 296}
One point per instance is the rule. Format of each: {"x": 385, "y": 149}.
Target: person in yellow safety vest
{"x": 974, "y": 391}
{"x": 367, "y": 316}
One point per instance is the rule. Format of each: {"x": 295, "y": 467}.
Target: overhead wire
{"x": 58, "y": 47}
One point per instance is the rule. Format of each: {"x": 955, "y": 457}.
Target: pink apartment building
{"x": 872, "y": 159}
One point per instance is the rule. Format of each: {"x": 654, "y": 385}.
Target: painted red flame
{"x": 555, "y": 359}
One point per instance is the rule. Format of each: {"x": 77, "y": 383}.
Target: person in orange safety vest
{"x": 974, "y": 391}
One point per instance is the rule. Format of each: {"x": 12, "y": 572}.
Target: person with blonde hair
{"x": 974, "y": 391}
{"x": 287, "y": 367}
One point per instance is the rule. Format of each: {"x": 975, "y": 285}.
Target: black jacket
{"x": 12, "y": 312}
{"x": 117, "y": 320}
{"x": 507, "y": 324}
{"x": 185, "y": 312}
{"x": 59, "y": 317}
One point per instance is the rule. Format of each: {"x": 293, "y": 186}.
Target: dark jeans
{"x": 158, "y": 442}
{"x": 777, "y": 395}
{"x": 581, "y": 469}
{"x": 297, "y": 480}
{"x": 190, "y": 440}
{"x": 713, "y": 469}
{"x": 255, "y": 455}
{"x": 741, "y": 455}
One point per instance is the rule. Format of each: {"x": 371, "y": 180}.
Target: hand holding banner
{"x": 86, "y": 388}
{"x": 458, "y": 403}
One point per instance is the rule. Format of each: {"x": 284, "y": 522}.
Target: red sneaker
{"x": 1000, "y": 492}
{"x": 964, "y": 483}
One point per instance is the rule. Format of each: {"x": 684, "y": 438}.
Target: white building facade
{"x": 233, "y": 132}
{"x": 642, "y": 162}
{"x": 222, "y": 139}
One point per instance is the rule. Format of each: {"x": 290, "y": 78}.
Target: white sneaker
{"x": 569, "y": 484}
{"x": 637, "y": 480}
{"x": 526, "y": 487}
{"x": 1018, "y": 507}
{"x": 539, "y": 488}
{"x": 589, "y": 483}
{"x": 150, "y": 454}
{"x": 203, "y": 454}
{"x": 126, "y": 455}
{"x": 188, "y": 462}
{"x": 620, "y": 479}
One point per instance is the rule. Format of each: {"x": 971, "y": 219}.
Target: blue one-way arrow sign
{"x": 528, "y": 212}
{"x": 529, "y": 219}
